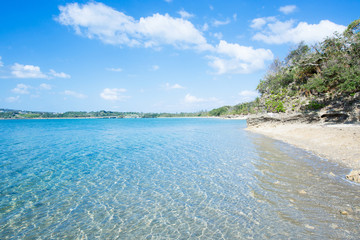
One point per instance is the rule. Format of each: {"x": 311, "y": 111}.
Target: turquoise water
{"x": 166, "y": 179}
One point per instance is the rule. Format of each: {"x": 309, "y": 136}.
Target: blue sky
{"x": 151, "y": 56}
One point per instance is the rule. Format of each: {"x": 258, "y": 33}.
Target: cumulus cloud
{"x": 97, "y": 20}
{"x": 185, "y": 14}
{"x": 45, "y": 86}
{"x": 26, "y": 71}
{"x": 248, "y": 95}
{"x": 287, "y": 9}
{"x": 114, "y": 94}
{"x": 59, "y": 75}
{"x": 168, "y": 86}
{"x": 31, "y": 71}
{"x": 21, "y": 89}
{"x": 12, "y": 99}
{"x": 74, "y": 94}
{"x": 273, "y": 31}
{"x": 238, "y": 59}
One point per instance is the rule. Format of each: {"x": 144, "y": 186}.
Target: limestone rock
{"x": 278, "y": 118}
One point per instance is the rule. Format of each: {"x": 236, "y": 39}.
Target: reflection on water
{"x": 166, "y": 179}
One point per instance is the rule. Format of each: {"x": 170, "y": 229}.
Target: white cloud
{"x": 12, "y": 99}
{"x": 217, "y": 23}
{"x": 247, "y": 95}
{"x": 185, "y": 14}
{"x": 168, "y": 86}
{"x": 96, "y": 20}
{"x": 59, "y": 75}
{"x": 258, "y": 23}
{"x": 26, "y": 71}
{"x": 75, "y": 94}
{"x": 114, "y": 69}
{"x": 45, "y": 86}
{"x": 192, "y": 99}
{"x": 168, "y": 1}
{"x": 1, "y": 63}
{"x": 218, "y": 35}
{"x": 273, "y": 31}
{"x": 235, "y": 16}
{"x": 205, "y": 27}
{"x": 155, "y": 67}
{"x": 237, "y": 59}
{"x": 113, "y": 94}
{"x": 287, "y": 9}
{"x": 21, "y": 89}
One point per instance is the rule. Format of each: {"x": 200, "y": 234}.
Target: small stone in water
{"x": 309, "y": 227}
{"x": 344, "y": 212}
{"x": 302, "y": 191}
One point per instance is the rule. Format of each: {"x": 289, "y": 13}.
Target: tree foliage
{"x": 330, "y": 66}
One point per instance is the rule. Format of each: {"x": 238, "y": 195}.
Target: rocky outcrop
{"x": 344, "y": 109}
{"x": 278, "y": 118}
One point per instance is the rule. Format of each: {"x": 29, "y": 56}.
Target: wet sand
{"x": 339, "y": 143}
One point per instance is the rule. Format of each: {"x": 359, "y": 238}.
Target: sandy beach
{"x": 336, "y": 142}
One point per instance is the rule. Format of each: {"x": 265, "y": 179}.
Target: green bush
{"x": 314, "y": 105}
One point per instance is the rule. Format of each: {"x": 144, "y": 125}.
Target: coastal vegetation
{"x": 19, "y": 114}
{"x": 310, "y": 78}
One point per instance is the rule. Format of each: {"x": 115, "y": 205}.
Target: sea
{"x": 166, "y": 178}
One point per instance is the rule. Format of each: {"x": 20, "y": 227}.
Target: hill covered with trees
{"x": 323, "y": 78}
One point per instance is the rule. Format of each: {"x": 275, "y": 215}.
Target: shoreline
{"x": 339, "y": 143}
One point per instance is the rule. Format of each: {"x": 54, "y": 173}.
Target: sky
{"x": 151, "y": 56}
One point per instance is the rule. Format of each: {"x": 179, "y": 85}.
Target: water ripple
{"x": 165, "y": 179}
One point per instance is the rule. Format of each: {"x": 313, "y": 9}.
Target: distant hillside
{"x": 323, "y": 78}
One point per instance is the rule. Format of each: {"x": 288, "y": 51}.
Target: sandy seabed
{"x": 336, "y": 142}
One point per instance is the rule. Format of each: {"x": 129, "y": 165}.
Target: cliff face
{"x": 325, "y": 109}
{"x": 345, "y": 109}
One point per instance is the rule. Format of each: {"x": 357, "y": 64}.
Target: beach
{"x": 339, "y": 143}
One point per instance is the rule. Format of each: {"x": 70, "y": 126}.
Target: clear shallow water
{"x": 166, "y": 179}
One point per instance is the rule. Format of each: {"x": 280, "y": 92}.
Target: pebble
{"x": 309, "y": 227}
{"x": 302, "y": 191}
{"x": 344, "y": 212}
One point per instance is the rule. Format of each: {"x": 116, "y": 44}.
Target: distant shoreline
{"x": 203, "y": 117}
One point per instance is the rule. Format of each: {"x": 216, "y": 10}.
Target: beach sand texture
{"x": 336, "y": 142}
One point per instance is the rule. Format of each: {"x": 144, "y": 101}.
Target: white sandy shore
{"x": 339, "y": 142}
